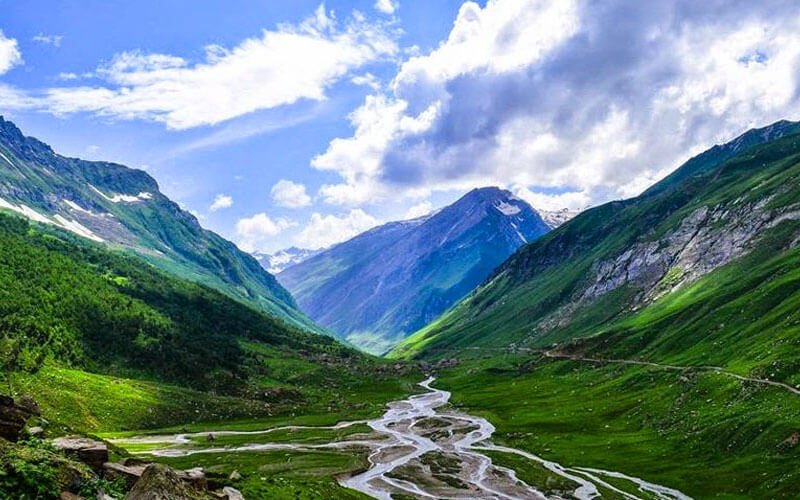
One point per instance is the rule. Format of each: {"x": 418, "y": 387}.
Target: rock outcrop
{"x": 89, "y": 451}
{"x": 13, "y": 416}
{"x": 159, "y": 482}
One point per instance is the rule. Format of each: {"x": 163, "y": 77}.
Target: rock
{"x": 66, "y": 495}
{"x": 232, "y": 493}
{"x": 133, "y": 461}
{"x": 27, "y": 403}
{"x": 447, "y": 363}
{"x": 235, "y": 476}
{"x": 790, "y": 442}
{"x": 195, "y": 478}
{"x": 128, "y": 473}
{"x": 37, "y": 432}
{"x": 132, "y": 470}
{"x": 89, "y": 451}
{"x": 159, "y": 482}
{"x": 14, "y": 416}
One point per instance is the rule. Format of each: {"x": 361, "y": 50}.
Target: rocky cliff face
{"x": 621, "y": 257}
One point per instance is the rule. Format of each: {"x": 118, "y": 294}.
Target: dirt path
{"x": 715, "y": 369}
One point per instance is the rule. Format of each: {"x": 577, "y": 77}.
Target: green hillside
{"x": 123, "y": 208}
{"x": 656, "y": 336}
{"x": 698, "y": 270}
{"x": 71, "y": 311}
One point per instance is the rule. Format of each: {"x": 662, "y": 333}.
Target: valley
{"x": 646, "y": 348}
{"x": 415, "y": 449}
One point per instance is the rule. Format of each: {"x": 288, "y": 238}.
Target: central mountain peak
{"x": 388, "y": 282}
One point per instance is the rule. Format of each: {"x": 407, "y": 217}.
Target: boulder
{"x": 232, "y": 493}
{"x": 159, "y": 482}
{"x": 14, "y": 416}
{"x": 28, "y": 404}
{"x": 36, "y": 432}
{"x": 113, "y": 471}
{"x": 89, "y": 451}
{"x": 132, "y": 469}
{"x": 195, "y": 478}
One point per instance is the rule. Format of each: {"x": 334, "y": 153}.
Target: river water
{"x": 422, "y": 450}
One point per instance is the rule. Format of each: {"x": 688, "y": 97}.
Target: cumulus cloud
{"x": 325, "y": 230}
{"x": 257, "y": 232}
{"x": 282, "y": 66}
{"x": 420, "y": 209}
{"x": 588, "y": 100}
{"x": 290, "y": 194}
{"x": 10, "y": 55}
{"x": 387, "y": 7}
{"x": 220, "y": 202}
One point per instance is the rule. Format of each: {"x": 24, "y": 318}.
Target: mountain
{"x": 698, "y": 269}
{"x": 123, "y": 208}
{"x": 555, "y": 218}
{"x": 67, "y": 300}
{"x": 378, "y": 287}
{"x": 276, "y": 262}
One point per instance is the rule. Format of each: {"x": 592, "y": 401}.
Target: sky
{"x": 304, "y": 123}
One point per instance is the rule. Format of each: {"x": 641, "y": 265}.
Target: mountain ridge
{"x": 386, "y": 282}
{"x": 613, "y": 260}
{"x": 124, "y": 208}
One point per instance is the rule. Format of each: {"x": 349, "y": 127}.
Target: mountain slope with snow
{"x": 123, "y": 208}
{"x": 276, "y": 262}
{"x": 378, "y": 287}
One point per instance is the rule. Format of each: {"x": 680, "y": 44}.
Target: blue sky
{"x": 301, "y": 123}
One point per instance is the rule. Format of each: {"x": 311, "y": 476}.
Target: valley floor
{"x": 561, "y": 426}
{"x": 416, "y": 449}
{"x": 705, "y": 433}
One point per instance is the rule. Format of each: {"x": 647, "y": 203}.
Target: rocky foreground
{"x": 78, "y": 467}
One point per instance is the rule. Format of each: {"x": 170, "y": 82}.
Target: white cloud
{"x": 387, "y": 7}
{"x": 220, "y": 202}
{"x": 281, "y": 67}
{"x": 326, "y": 230}
{"x": 592, "y": 100}
{"x": 10, "y": 55}
{"x": 420, "y": 209}
{"x": 290, "y": 194}
{"x": 257, "y": 232}
{"x": 571, "y": 200}
{"x": 54, "y": 40}
{"x": 368, "y": 80}
{"x": 68, "y": 76}
{"x": 92, "y": 148}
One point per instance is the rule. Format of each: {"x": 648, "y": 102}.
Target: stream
{"x": 420, "y": 451}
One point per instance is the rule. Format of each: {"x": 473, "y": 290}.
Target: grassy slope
{"x": 664, "y": 426}
{"x": 112, "y": 332}
{"x": 157, "y": 230}
{"x": 698, "y": 432}
{"x": 107, "y": 344}
{"x": 547, "y": 274}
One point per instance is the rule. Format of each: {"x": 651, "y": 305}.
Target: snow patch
{"x": 116, "y": 198}
{"x": 6, "y": 158}
{"x": 507, "y": 208}
{"x": 77, "y": 228}
{"x": 33, "y": 214}
{"x": 59, "y": 221}
{"x": 283, "y": 259}
{"x": 521, "y": 236}
{"x": 74, "y": 206}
